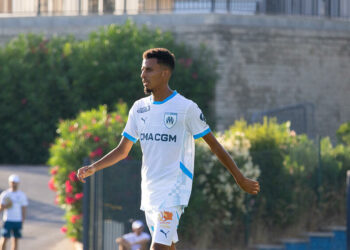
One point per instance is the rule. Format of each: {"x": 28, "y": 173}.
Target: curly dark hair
{"x": 163, "y": 56}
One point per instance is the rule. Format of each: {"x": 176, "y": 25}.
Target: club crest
{"x": 170, "y": 119}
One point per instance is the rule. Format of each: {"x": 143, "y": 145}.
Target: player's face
{"x": 153, "y": 75}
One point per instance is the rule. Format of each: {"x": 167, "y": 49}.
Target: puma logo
{"x": 165, "y": 233}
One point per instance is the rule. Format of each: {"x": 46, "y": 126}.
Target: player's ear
{"x": 165, "y": 73}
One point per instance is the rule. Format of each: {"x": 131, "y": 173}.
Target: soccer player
{"x": 166, "y": 123}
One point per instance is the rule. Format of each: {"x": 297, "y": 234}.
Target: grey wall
{"x": 263, "y": 62}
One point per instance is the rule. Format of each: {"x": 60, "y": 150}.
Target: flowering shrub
{"x": 216, "y": 199}
{"x": 217, "y": 184}
{"x": 91, "y": 134}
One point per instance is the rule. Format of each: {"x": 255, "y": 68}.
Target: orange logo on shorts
{"x": 165, "y": 216}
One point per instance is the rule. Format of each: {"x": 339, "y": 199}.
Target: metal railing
{"x": 323, "y": 8}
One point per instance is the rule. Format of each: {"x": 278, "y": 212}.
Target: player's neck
{"x": 161, "y": 94}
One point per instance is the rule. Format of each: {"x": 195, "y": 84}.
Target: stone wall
{"x": 264, "y": 63}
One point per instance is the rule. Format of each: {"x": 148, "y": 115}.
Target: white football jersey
{"x": 19, "y": 200}
{"x": 166, "y": 131}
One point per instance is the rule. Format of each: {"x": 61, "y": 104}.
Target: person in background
{"x": 13, "y": 203}
{"x": 135, "y": 240}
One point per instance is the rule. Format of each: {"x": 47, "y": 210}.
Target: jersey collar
{"x": 165, "y": 100}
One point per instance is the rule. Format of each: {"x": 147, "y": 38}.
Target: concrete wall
{"x": 263, "y": 62}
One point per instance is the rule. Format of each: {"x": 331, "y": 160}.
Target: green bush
{"x": 286, "y": 164}
{"x": 44, "y": 80}
{"x": 269, "y": 144}
{"x": 343, "y": 133}
{"x": 217, "y": 200}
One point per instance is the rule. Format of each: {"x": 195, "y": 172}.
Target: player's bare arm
{"x": 248, "y": 185}
{"x": 113, "y": 157}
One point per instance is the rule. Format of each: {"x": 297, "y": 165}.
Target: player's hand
{"x": 84, "y": 172}
{"x": 250, "y": 186}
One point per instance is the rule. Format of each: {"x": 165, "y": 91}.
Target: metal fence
{"x": 111, "y": 204}
{"x": 327, "y": 8}
{"x": 301, "y": 117}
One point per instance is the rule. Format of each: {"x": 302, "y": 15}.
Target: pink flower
{"x": 96, "y": 139}
{"x": 88, "y": 135}
{"x": 292, "y": 133}
{"x": 78, "y": 196}
{"x": 181, "y": 61}
{"x": 69, "y": 187}
{"x": 92, "y": 154}
{"x": 73, "y": 239}
{"x": 24, "y": 101}
{"x": 70, "y": 200}
{"x": 73, "y": 176}
{"x": 194, "y": 75}
{"x": 71, "y": 128}
{"x": 96, "y": 153}
{"x": 52, "y": 184}
{"x": 99, "y": 151}
{"x": 54, "y": 170}
{"x": 75, "y": 218}
{"x": 188, "y": 62}
{"x": 57, "y": 200}
{"x": 118, "y": 118}
{"x": 64, "y": 229}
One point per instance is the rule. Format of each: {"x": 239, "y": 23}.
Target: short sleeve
{"x": 129, "y": 237}
{"x": 145, "y": 236}
{"x": 2, "y": 198}
{"x": 130, "y": 130}
{"x": 195, "y": 122}
{"x": 24, "y": 200}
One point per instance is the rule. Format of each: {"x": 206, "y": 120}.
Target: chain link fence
{"x": 301, "y": 116}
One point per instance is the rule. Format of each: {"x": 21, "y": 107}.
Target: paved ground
{"x": 42, "y": 229}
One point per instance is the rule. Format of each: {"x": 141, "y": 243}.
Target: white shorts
{"x": 163, "y": 224}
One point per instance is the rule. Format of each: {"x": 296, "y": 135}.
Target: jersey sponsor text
{"x": 157, "y": 137}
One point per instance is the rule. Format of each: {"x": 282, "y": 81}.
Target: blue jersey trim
{"x": 131, "y": 138}
{"x": 186, "y": 171}
{"x": 166, "y": 99}
{"x": 197, "y": 136}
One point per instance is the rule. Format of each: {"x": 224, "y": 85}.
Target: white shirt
{"x": 166, "y": 131}
{"x": 19, "y": 200}
{"x": 133, "y": 237}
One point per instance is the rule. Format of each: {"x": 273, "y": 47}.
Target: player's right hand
{"x": 84, "y": 172}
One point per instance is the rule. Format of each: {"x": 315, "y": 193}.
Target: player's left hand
{"x": 250, "y": 186}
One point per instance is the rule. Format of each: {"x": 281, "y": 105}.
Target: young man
{"x": 13, "y": 202}
{"x": 135, "y": 240}
{"x": 166, "y": 123}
